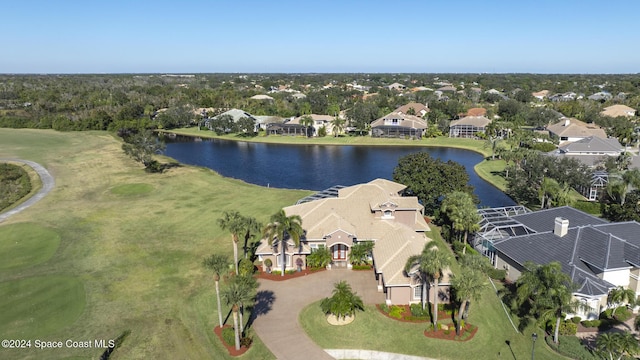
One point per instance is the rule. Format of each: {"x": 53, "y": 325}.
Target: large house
{"x": 591, "y": 150}
{"x": 468, "y": 126}
{"x": 569, "y": 130}
{"x": 413, "y": 108}
{"x": 319, "y": 121}
{"x": 396, "y": 124}
{"x": 618, "y": 110}
{"x": 596, "y": 254}
{"x": 375, "y": 211}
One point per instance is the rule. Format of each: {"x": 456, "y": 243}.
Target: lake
{"x": 317, "y": 167}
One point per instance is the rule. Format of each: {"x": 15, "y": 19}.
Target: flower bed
{"x": 287, "y": 276}
{"x": 230, "y": 348}
{"x": 403, "y": 313}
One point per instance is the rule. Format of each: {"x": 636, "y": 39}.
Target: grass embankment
{"x": 113, "y": 248}
{"x": 469, "y": 144}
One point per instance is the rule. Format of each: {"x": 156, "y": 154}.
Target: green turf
{"x": 26, "y": 244}
{"x": 38, "y": 306}
{"x": 131, "y": 189}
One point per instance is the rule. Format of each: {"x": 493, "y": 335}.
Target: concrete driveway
{"x": 280, "y": 302}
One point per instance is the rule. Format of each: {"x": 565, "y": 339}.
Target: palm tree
{"x": 429, "y": 265}
{"x": 218, "y": 264}
{"x": 281, "y": 227}
{"x": 343, "y": 303}
{"x": 251, "y": 284}
{"x": 611, "y": 345}
{"x": 338, "y": 125}
{"x": 251, "y": 227}
{"x": 462, "y": 212}
{"x": 233, "y": 222}
{"x": 467, "y": 286}
{"x": 236, "y": 294}
{"x": 620, "y": 295}
{"x": 547, "y": 291}
{"x": 549, "y": 188}
{"x": 306, "y": 121}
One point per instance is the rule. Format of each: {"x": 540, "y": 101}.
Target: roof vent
{"x": 561, "y": 227}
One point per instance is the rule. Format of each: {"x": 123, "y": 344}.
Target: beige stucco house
{"x": 375, "y": 211}
{"x": 569, "y": 130}
{"x": 618, "y": 110}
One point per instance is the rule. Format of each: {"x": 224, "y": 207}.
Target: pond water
{"x": 317, "y": 167}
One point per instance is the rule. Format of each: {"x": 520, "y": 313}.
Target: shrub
{"x": 361, "y": 267}
{"x": 245, "y": 267}
{"x": 416, "y": 310}
{"x": 246, "y": 341}
{"x": 568, "y": 328}
{"x": 268, "y": 263}
{"x": 543, "y": 146}
{"x": 319, "y": 258}
{"x": 229, "y": 336}
{"x": 384, "y": 308}
{"x": 576, "y": 319}
{"x": 606, "y": 314}
{"x": 497, "y": 274}
{"x": 276, "y": 272}
{"x": 591, "y": 323}
{"x": 622, "y": 314}
{"x": 570, "y": 346}
{"x": 396, "y": 311}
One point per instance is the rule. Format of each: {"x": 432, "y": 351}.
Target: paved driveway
{"x": 280, "y": 303}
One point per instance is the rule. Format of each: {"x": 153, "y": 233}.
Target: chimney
{"x": 561, "y": 227}
{"x": 567, "y": 122}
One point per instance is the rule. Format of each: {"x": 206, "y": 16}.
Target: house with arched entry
{"x": 372, "y": 212}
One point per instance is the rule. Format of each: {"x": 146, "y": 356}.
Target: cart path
{"x": 47, "y": 185}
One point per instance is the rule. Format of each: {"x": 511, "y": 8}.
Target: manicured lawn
{"x": 133, "y": 241}
{"x": 374, "y": 331}
{"x": 26, "y": 244}
{"x": 492, "y": 171}
{"x": 39, "y": 306}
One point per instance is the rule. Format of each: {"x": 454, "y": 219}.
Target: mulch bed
{"x": 230, "y": 348}
{"x": 407, "y": 317}
{"x": 450, "y": 334}
{"x": 279, "y": 277}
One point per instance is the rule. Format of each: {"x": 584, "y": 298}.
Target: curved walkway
{"x": 279, "y": 304}
{"x": 47, "y": 185}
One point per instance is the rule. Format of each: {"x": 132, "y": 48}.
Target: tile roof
{"x": 544, "y": 220}
{"x": 477, "y": 121}
{"x": 418, "y": 108}
{"x": 403, "y": 120}
{"x": 593, "y": 144}
{"x": 618, "y": 110}
{"x": 575, "y": 128}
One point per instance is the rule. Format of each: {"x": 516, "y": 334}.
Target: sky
{"x": 285, "y": 36}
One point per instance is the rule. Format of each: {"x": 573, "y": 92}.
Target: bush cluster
{"x": 14, "y": 184}
{"x": 591, "y": 323}
{"x": 229, "y": 336}
{"x": 497, "y": 274}
{"x": 396, "y": 311}
{"x": 416, "y": 311}
{"x": 570, "y": 346}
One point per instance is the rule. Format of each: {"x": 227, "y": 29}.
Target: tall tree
{"x": 467, "y": 285}
{"x": 282, "y": 228}
{"x": 307, "y": 122}
{"x": 547, "y": 292}
{"x": 617, "y": 345}
{"x": 621, "y": 295}
{"x": 218, "y": 264}
{"x": 142, "y": 146}
{"x": 251, "y": 228}
{"x": 428, "y": 267}
{"x": 338, "y": 125}
{"x": 462, "y": 213}
{"x": 429, "y": 178}
{"x": 233, "y": 222}
{"x": 236, "y": 294}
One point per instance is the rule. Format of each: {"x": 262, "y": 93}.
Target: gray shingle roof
{"x": 544, "y": 220}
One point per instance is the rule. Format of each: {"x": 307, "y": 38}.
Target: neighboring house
{"x": 618, "y": 110}
{"x": 569, "y": 129}
{"x": 396, "y": 87}
{"x": 540, "y": 95}
{"x": 375, "y": 211}
{"x": 298, "y": 96}
{"x": 400, "y": 125}
{"x": 476, "y": 112}
{"x": 600, "y": 96}
{"x": 318, "y": 122}
{"x": 286, "y": 128}
{"x": 263, "y": 120}
{"x": 591, "y": 150}
{"x": 261, "y": 97}
{"x": 568, "y": 96}
{"x": 419, "y": 110}
{"x": 450, "y": 88}
{"x": 597, "y": 255}
{"x": 468, "y": 126}
{"x": 236, "y": 114}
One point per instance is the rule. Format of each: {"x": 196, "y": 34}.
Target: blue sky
{"x": 561, "y": 36}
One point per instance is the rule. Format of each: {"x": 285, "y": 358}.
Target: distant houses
{"x": 618, "y": 110}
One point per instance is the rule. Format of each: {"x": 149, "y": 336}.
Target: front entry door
{"x": 339, "y": 252}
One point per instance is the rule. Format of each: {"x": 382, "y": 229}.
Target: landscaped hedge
{"x": 497, "y": 274}
{"x": 570, "y": 346}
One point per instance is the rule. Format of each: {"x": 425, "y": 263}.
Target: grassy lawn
{"x": 26, "y": 244}
{"x": 491, "y": 171}
{"x": 374, "y": 331}
{"x": 129, "y": 253}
